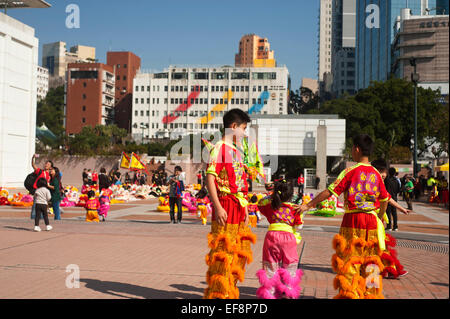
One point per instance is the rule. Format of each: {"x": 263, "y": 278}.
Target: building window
{"x": 125, "y": 66}
{"x": 84, "y": 108}
{"x": 118, "y": 77}
{"x": 84, "y": 120}
{"x": 136, "y": 101}
{"x": 118, "y": 66}
{"x": 84, "y": 96}
{"x": 84, "y": 84}
{"x": 136, "y": 113}
{"x": 124, "y": 78}
{"x": 137, "y": 88}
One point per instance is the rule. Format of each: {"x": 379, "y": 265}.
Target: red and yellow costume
{"x": 92, "y": 206}
{"x": 202, "y": 210}
{"x": 229, "y": 244}
{"x": 360, "y": 242}
{"x": 253, "y": 214}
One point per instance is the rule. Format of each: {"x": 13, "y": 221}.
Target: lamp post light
{"x": 415, "y": 79}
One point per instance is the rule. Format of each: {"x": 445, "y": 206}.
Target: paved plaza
{"x": 138, "y": 254}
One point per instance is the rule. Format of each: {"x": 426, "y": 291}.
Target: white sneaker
{"x": 49, "y": 227}
{"x": 37, "y": 228}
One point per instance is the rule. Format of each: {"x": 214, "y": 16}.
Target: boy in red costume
{"x": 230, "y": 236}
{"x": 360, "y": 241}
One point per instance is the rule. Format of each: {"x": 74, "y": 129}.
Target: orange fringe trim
{"x": 213, "y": 243}
{"x": 345, "y": 295}
{"x": 336, "y": 263}
{"x": 247, "y": 235}
{"x": 238, "y": 272}
{"x": 219, "y": 283}
{"x": 352, "y": 261}
{"x": 339, "y": 243}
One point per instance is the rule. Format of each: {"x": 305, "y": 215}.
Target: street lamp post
{"x": 415, "y": 79}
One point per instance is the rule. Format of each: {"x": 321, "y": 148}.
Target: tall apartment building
{"x": 374, "y": 44}
{"x": 126, "y": 66}
{"x": 194, "y": 100}
{"x": 325, "y": 38}
{"x": 254, "y": 51}
{"x": 425, "y": 38}
{"x": 56, "y": 57}
{"x": 90, "y": 93}
{"x": 343, "y": 47}
{"x": 42, "y": 83}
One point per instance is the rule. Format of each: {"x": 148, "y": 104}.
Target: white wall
{"x": 296, "y": 136}
{"x": 18, "y": 90}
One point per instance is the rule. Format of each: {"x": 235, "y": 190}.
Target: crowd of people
{"x": 371, "y": 192}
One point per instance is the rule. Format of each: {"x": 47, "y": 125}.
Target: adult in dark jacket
{"x": 103, "y": 180}
{"x": 393, "y": 188}
{"x": 176, "y": 195}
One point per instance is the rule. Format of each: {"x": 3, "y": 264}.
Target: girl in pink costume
{"x": 104, "y": 203}
{"x": 280, "y": 277}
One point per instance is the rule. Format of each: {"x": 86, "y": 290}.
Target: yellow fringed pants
{"x": 357, "y": 264}
{"x": 230, "y": 252}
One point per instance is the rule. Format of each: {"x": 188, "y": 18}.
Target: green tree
{"x": 51, "y": 111}
{"x": 385, "y": 111}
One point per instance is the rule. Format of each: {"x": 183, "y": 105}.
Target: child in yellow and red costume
{"x": 92, "y": 205}
{"x": 202, "y": 201}
{"x": 280, "y": 277}
{"x": 253, "y": 211}
{"x": 360, "y": 242}
{"x": 230, "y": 236}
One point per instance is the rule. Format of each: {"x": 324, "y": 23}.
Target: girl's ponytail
{"x": 282, "y": 192}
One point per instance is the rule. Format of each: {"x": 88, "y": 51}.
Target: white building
{"x": 42, "y": 83}
{"x": 178, "y": 100}
{"x": 296, "y": 135}
{"x": 18, "y": 94}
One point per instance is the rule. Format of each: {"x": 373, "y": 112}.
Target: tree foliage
{"x": 385, "y": 111}
{"x": 51, "y": 111}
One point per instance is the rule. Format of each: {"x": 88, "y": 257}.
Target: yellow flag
{"x": 136, "y": 162}
{"x": 125, "y": 161}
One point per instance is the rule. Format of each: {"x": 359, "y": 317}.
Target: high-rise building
{"x": 343, "y": 47}
{"x": 254, "y": 51}
{"x": 375, "y": 34}
{"x": 325, "y": 38}
{"x": 42, "y": 83}
{"x": 126, "y": 65}
{"x": 425, "y": 38}
{"x": 19, "y": 51}
{"x": 90, "y": 93}
{"x": 192, "y": 100}
{"x": 55, "y": 58}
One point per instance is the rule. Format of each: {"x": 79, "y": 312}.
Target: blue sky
{"x": 179, "y": 32}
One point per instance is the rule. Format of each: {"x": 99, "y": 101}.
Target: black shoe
{"x": 175, "y": 222}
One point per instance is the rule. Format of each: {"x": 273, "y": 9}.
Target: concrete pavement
{"x": 138, "y": 254}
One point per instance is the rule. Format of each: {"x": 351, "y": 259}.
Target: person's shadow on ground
{"x": 124, "y": 290}
{"x": 244, "y": 292}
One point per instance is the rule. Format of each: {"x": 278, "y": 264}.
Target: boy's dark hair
{"x": 178, "y": 168}
{"x": 282, "y": 192}
{"x": 392, "y": 171}
{"x": 202, "y": 193}
{"x": 380, "y": 165}
{"x": 91, "y": 194}
{"x": 42, "y": 182}
{"x": 103, "y": 170}
{"x": 365, "y": 144}
{"x": 254, "y": 199}
{"x": 235, "y": 116}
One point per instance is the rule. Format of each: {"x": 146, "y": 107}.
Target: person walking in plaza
{"x": 280, "y": 276}
{"x": 175, "y": 195}
{"x": 55, "y": 190}
{"x": 301, "y": 185}
{"x": 199, "y": 178}
{"x": 41, "y": 198}
{"x": 393, "y": 188}
{"x": 92, "y": 205}
{"x": 40, "y": 173}
{"x": 409, "y": 192}
{"x": 230, "y": 237}
{"x": 360, "y": 241}
{"x": 84, "y": 177}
